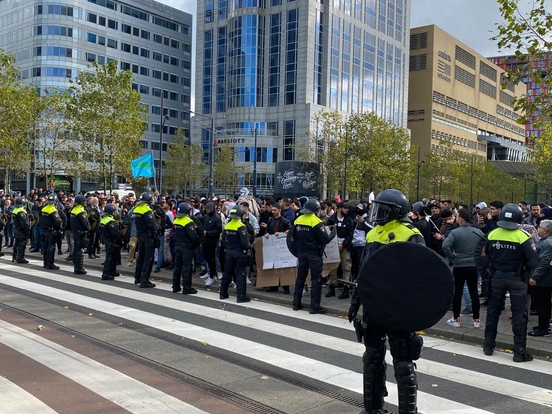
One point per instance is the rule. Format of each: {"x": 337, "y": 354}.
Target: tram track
{"x": 213, "y": 390}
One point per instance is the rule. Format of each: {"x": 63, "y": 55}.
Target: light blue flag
{"x": 143, "y": 167}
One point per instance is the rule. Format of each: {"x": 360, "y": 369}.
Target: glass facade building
{"x": 53, "y": 41}
{"x": 268, "y": 66}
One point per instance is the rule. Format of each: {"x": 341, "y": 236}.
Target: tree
{"x": 16, "y": 119}
{"x": 226, "y": 169}
{"x": 56, "y": 150}
{"x": 527, "y": 33}
{"x": 108, "y": 120}
{"x": 326, "y": 131}
{"x": 377, "y": 153}
{"x": 184, "y": 163}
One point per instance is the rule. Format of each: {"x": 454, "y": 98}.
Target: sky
{"x": 470, "y": 21}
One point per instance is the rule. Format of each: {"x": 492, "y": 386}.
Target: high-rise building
{"x": 455, "y": 95}
{"x": 533, "y": 89}
{"x": 54, "y": 40}
{"x": 266, "y": 67}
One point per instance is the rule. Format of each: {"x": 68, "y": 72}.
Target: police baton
{"x": 347, "y": 283}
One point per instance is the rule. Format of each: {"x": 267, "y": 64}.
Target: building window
{"x": 91, "y": 17}
{"x": 112, "y": 24}
{"x": 144, "y": 34}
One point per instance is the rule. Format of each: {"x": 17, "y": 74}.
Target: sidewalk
{"x": 539, "y": 346}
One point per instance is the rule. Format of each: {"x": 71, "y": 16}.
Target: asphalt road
{"x": 73, "y": 344}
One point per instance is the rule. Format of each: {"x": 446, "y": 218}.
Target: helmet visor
{"x": 381, "y": 213}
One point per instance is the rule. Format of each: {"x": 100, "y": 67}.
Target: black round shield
{"x": 405, "y": 286}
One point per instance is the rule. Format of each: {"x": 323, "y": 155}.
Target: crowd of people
{"x": 506, "y": 247}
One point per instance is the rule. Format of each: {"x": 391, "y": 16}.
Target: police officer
{"x": 21, "y": 229}
{"x": 510, "y": 252}
{"x": 52, "y": 225}
{"x": 311, "y": 238}
{"x": 187, "y": 240}
{"x": 80, "y": 226}
{"x": 111, "y": 238}
{"x": 238, "y": 251}
{"x": 146, "y": 230}
{"x": 392, "y": 225}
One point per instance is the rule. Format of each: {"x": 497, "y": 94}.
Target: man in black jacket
{"x": 345, "y": 228}
{"x": 212, "y": 229}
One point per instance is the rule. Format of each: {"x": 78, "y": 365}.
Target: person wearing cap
{"x": 238, "y": 254}
{"x": 310, "y": 239}
{"x": 80, "y": 227}
{"x": 146, "y": 232}
{"x": 186, "y": 237}
{"x": 345, "y": 228}
{"x": 52, "y": 225}
{"x": 112, "y": 239}
{"x": 21, "y": 229}
{"x": 509, "y": 252}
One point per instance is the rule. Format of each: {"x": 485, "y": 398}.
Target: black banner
{"x": 296, "y": 179}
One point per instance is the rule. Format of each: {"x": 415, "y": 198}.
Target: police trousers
{"x": 500, "y": 284}
{"x": 182, "y": 273}
{"x": 312, "y": 262}
{"x": 144, "y": 263}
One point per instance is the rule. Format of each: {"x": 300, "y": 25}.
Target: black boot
{"x": 521, "y": 354}
{"x": 345, "y": 293}
{"x": 407, "y": 399}
{"x": 189, "y": 291}
{"x": 490, "y": 342}
{"x": 331, "y": 291}
{"x": 317, "y": 309}
{"x": 297, "y": 301}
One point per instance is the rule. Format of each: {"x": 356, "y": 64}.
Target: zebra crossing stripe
{"x": 14, "y": 399}
{"x": 428, "y": 404}
{"x": 130, "y": 394}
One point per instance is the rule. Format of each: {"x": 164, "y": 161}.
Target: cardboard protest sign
{"x": 277, "y": 266}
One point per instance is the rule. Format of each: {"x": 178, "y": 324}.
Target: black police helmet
{"x": 387, "y": 206}
{"x": 184, "y": 209}
{"x": 19, "y": 201}
{"x": 80, "y": 199}
{"x": 510, "y": 217}
{"x": 52, "y": 199}
{"x": 146, "y": 197}
{"x": 110, "y": 209}
{"x": 236, "y": 212}
{"x": 311, "y": 206}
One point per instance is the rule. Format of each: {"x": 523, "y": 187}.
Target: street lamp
{"x": 163, "y": 120}
{"x": 418, "y": 180}
{"x": 255, "y": 168}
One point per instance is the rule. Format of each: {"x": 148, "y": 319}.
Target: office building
{"x": 54, "y": 40}
{"x": 266, "y": 67}
{"x": 455, "y": 95}
{"x": 533, "y": 89}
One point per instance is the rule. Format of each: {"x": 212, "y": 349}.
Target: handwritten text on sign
{"x": 276, "y": 254}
